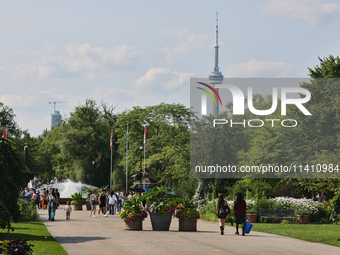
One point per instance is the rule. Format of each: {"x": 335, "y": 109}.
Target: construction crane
{"x": 54, "y": 102}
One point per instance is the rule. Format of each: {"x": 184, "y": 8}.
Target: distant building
{"x": 56, "y": 118}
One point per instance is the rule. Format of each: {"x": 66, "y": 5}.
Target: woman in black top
{"x": 102, "y": 203}
{"x": 222, "y": 211}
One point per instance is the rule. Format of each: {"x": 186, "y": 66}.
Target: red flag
{"x": 111, "y": 138}
{"x": 145, "y": 133}
{"x": 4, "y": 135}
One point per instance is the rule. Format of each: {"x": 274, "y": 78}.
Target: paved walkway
{"x": 105, "y": 235}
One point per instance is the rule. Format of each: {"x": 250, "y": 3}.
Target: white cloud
{"x": 257, "y": 68}
{"x": 30, "y": 97}
{"x": 186, "y": 41}
{"x": 313, "y": 11}
{"x": 162, "y": 77}
{"x": 93, "y": 63}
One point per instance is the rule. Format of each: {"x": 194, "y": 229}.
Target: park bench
{"x": 277, "y": 214}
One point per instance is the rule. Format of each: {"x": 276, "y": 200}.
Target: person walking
{"x": 117, "y": 199}
{"x": 68, "y": 209}
{"x": 53, "y": 203}
{"x": 94, "y": 202}
{"x": 223, "y": 211}
{"x": 44, "y": 200}
{"x": 37, "y": 199}
{"x": 240, "y": 212}
{"x": 120, "y": 197}
{"x": 112, "y": 202}
{"x": 102, "y": 203}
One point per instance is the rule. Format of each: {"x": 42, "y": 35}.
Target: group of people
{"x": 46, "y": 199}
{"x": 38, "y": 182}
{"x": 240, "y": 211}
{"x": 108, "y": 201}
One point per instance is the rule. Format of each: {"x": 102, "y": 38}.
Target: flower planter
{"x": 77, "y": 207}
{"x": 88, "y": 205}
{"x": 160, "y": 222}
{"x": 134, "y": 225}
{"x": 303, "y": 219}
{"x": 186, "y": 224}
{"x": 252, "y": 217}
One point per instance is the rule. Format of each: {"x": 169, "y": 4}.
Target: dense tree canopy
{"x": 13, "y": 177}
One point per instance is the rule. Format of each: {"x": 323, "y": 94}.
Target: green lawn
{"x": 321, "y": 233}
{"x": 37, "y": 234}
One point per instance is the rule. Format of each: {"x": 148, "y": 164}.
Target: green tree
{"x": 167, "y": 141}
{"x": 13, "y": 177}
{"x": 70, "y": 148}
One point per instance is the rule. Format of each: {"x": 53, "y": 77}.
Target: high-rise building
{"x": 216, "y": 76}
{"x": 56, "y": 118}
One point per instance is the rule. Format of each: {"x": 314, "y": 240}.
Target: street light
{"x": 141, "y": 157}
{"x": 92, "y": 173}
{"x": 160, "y": 169}
{"x": 26, "y": 151}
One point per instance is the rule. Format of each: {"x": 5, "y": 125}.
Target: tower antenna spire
{"x": 216, "y": 76}
{"x": 216, "y": 28}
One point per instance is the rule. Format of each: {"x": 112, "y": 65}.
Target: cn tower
{"x": 216, "y": 76}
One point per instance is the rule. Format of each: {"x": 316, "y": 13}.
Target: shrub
{"x": 77, "y": 198}
{"x": 253, "y": 186}
{"x": 208, "y": 211}
{"x": 28, "y": 210}
{"x": 335, "y": 206}
{"x": 287, "y": 190}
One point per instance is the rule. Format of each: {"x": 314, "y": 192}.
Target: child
{"x": 68, "y": 209}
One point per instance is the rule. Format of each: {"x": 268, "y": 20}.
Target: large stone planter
{"x": 160, "y": 222}
{"x": 186, "y": 224}
{"x": 77, "y": 207}
{"x": 134, "y": 225}
{"x": 303, "y": 219}
{"x": 252, "y": 217}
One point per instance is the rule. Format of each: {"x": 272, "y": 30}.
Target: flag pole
{"x": 144, "y": 152}
{"x": 127, "y": 154}
{"x": 111, "y": 160}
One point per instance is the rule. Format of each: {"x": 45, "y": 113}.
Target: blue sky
{"x": 129, "y": 53}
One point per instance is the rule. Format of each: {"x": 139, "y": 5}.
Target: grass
{"x": 37, "y": 234}
{"x": 321, "y": 233}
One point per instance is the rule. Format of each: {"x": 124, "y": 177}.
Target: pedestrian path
{"x": 105, "y": 235}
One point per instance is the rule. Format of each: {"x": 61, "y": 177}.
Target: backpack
{"x": 222, "y": 212}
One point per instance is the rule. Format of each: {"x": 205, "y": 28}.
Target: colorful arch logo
{"x": 209, "y": 93}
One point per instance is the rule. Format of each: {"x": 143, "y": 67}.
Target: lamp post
{"x": 92, "y": 173}
{"x": 26, "y": 152}
{"x": 141, "y": 158}
{"x": 160, "y": 170}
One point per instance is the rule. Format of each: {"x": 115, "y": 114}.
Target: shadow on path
{"x": 78, "y": 239}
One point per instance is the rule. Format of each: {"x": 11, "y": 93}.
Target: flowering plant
{"x": 16, "y": 247}
{"x": 187, "y": 209}
{"x": 133, "y": 210}
{"x": 162, "y": 200}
